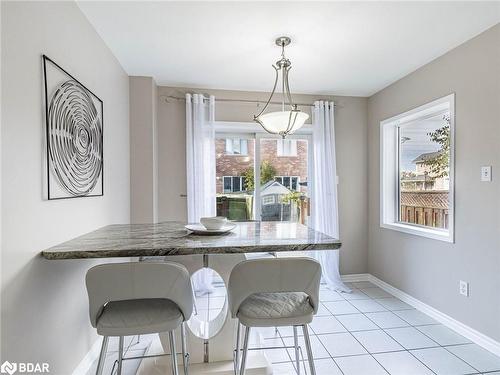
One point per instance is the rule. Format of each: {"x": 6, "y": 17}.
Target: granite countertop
{"x": 171, "y": 238}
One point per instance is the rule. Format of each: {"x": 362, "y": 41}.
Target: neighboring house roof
{"x": 274, "y": 187}
{"x": 426, "y": 157}
{"x": 426, "y": 199}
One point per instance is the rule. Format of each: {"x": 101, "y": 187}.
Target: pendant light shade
{"x": 289, "y": 119}
{"x": 283, "y": 122}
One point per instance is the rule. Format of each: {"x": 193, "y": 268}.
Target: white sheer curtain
{"x": 324, "y": 208}
{"x": 200, "y": 168}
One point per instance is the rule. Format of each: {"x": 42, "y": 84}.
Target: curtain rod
{"x": 239, "y": 101}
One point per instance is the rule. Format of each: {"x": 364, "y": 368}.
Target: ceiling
{"x": 342, "y": 48}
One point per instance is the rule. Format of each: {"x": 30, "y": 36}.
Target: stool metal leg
{"x": 185, "y": 355}
{"x": 237, "y": 352}
{"x": 173, "y": 353}
{"x": 102, "y": 356}
{"x": 120, "y": 356}
{"x": 309, "y": 350}
{"x": 296, "y": 344}
{"x": 245, "y": 350}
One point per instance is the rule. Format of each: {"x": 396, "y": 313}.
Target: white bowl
{"x": 213, "y": 223}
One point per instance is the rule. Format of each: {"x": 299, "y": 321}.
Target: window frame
{"x": 240, "y": 141}
{"x": 289, "y": 187}
{"x": 252, "y": 130}
{"x": 389, "y": 171}
{"x": 242, "y": 183}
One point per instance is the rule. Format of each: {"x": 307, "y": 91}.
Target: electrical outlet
{"x": 464, "y": 288}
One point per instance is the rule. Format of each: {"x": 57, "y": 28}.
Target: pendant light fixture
{"x": 289, "y": 119}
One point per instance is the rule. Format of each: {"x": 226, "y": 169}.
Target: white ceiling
{"x": 343, "y": 48}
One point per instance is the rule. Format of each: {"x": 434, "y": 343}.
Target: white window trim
{"x": 389, "y": 160}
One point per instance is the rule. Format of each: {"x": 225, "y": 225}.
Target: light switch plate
{"x": 486, "y": 173}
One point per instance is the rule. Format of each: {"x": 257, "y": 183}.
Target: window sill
{"x": 434, "y": 234}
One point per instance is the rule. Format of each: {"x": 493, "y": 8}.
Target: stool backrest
{"x": 274, "y": 275}
{"x": 138, "y": 280}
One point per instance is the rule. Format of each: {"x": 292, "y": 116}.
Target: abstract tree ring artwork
{"x": 74, "y": 136}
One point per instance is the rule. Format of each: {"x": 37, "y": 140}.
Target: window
{"x": 259, "y": 185}
{"x": 233, "y": 184}
{"x": 286, "y": 147}
{"x": 236, "y": 146}
{"x": 290, "y": 182}
{"x": 417, "y": 170}
{"x": 268, "y": 199}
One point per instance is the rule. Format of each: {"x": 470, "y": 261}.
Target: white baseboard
{"x": 86, "y": 363}
{"x": 355, "y": 277}
{"x": 470, "y": 333}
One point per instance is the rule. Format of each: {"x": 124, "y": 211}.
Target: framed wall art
{"x": 74, "y": 136}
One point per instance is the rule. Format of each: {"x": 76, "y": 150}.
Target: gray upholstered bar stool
{"x": 136, "y": 298}
{"x": 274, "y": 292}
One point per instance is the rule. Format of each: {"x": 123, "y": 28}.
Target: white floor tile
{"x": 443, "y": 335}
{"x": 267, "y": 332}
{"x": 394, "y": 304}
{"x": 360, "y": 365}
{"x": 443, "y": 362}
{"x": 402, "y": 363}
{"x": 341, "y": 307}
{"x": 477, "y": 357}
{"x": 377, "y": 341}
{"x": 376, "y": 292}
{"x": 323, "y": 311}
{"x": 326, "y": 324}
{"x": 285, "y": 368}
{"x": 411, "y": 338}
{"x": 386, "y": 319}
{"x": 329, "y": 295}
{"x": 318, "y": 349}
{"x": 356, "y": 322}
{"x": 368, "y": 305}
{"x": 288, "y": 331}
{"x": 364, "y": 284}
{"x": 275, "y": 355}
{"x": 341, "y": 344}
{"x": 415, "y": 317}
{"x": 355, "y": 295}
{"x": 324, "y": 367}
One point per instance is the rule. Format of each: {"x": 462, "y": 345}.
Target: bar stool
{"x": 274, "y": 292}
{"x": 138, "y": 298}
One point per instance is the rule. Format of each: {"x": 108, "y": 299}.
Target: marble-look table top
{"x": 171, "y": 238}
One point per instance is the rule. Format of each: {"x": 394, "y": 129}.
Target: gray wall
{"x": 44, "y": 303}
{"x": 427, "y": 269}
{"x": 143, "y": 153}
{"x": 351, "y": 132}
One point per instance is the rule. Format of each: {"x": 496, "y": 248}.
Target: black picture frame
{"x": 51, "y": 172}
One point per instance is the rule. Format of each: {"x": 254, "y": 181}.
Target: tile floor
{"x": 369, "y": 332}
